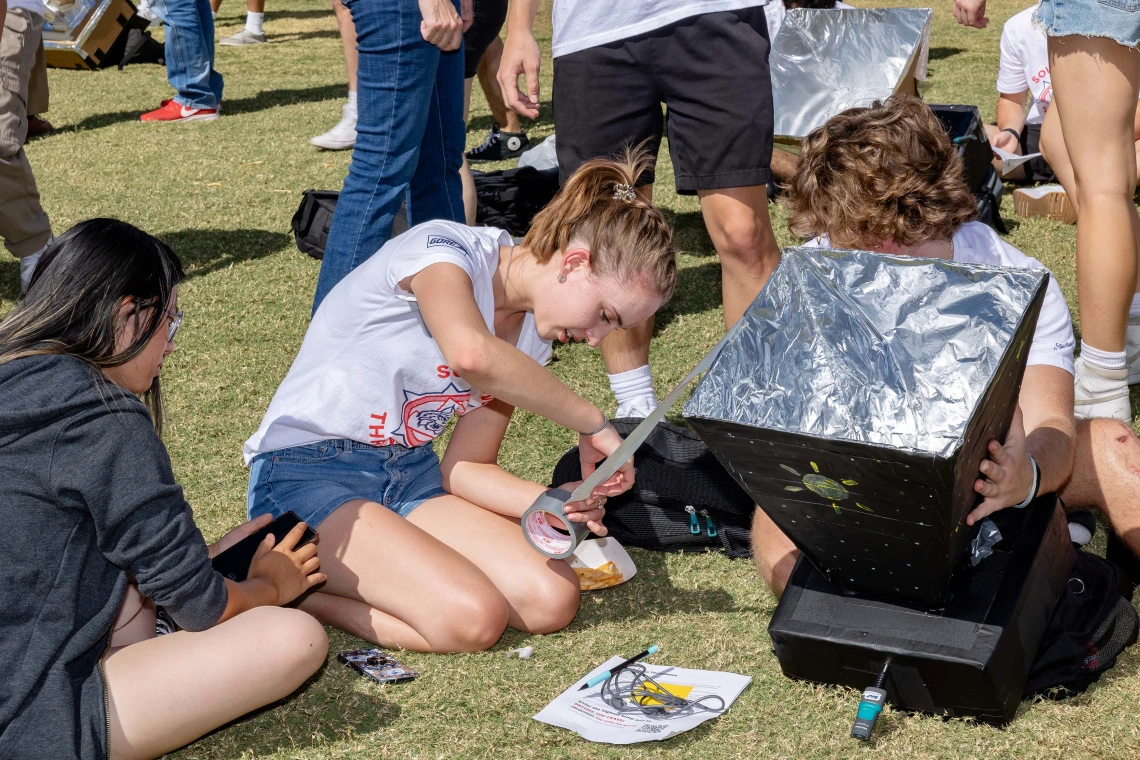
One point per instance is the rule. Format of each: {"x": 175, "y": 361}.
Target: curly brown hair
{"x": 887, "y": 172}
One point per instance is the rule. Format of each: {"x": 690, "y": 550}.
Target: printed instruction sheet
{"x": 586, "y": 714}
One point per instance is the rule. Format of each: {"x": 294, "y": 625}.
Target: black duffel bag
{"x": 510, "y": 198}
{"x": 682, "y": 498}
{"x": 314, "y": 216}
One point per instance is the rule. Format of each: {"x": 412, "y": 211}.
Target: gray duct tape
{"x": 557, "y": 544}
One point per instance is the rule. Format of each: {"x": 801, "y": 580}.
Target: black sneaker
{"x": 499, "y": 146}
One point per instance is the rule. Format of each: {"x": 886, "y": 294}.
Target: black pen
{"x": 620, "y": 666}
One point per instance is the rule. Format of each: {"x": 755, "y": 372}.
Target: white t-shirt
{"x": 581, "y": 24}
{"x": 775, "y": 11}
{"x": 1024, "y": 64}
{"x": 368, "y": 370}
{"x": 976, "y": 243}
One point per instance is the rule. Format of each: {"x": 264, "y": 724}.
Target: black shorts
{"x": 710, "y": 70}
{"x": 489, "y": 17}
{"x": 1036, "y": 169}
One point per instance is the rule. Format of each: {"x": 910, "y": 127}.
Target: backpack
{"x": 314, "y": 216}
{"x": 510, "y": 198}
{"x": 1091, "y": 625}
{"x": 682, "y": 498}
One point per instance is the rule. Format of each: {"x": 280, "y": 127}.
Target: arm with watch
{"x": 1038, "y": 452}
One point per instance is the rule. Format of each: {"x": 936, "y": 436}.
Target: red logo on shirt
{"x": 425, "y": 415}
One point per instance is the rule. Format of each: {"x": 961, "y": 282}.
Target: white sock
{"x": 253, "y": 22}
{"x": 214, "y": 15}
{"x": 1134, "y": 309}
{"x": 1094, "y": 357}
{"x": 634, "y": 392}
{"x": 352, "y": 99}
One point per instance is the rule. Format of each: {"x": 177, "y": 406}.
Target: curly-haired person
{"x": 887, "y": 179}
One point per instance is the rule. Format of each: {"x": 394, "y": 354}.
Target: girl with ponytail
{"x": 453, "y": 321}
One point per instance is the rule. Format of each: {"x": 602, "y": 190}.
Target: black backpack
{"x": 314, "y": 216}
{"x": 1091, "y": 625}
{"x": 510, "y": 198}
{"x": 682, "y": 498}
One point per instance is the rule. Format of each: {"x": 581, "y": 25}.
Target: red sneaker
{"x": 172, "y": 111}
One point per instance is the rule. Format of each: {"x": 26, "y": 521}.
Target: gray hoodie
{"x": 87, "y": 498}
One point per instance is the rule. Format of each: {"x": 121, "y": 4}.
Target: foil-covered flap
{"x": 887, "y": 350}
{"x": 826, "y": 61}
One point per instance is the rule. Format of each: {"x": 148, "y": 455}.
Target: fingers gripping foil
{"x": 540, "y": 531}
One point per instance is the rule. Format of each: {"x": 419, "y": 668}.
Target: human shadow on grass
{"x": 942, "y": 53}
{"x": 299, "y": 36}
{"x": 261, "y": 101}
{"x": 327, "y": 710}
{"x": 203, "y": 251}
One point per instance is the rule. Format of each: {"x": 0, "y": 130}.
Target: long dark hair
{"x": 73, "y": 302}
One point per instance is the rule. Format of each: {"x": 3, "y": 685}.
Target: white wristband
{"x": 1036, "y": 484}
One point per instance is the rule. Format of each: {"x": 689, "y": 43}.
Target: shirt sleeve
{"x": 1011, "y": 68}
{"x": 111, "y": 463}
{"x": 427, "y": 244}
{"x": 1053, "y": 340}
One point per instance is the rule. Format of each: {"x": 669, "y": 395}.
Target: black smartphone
{"x": 378, "y": 665}
{"x": 234, "y": 562}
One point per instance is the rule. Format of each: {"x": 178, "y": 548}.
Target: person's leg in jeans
{"x": 436, "y": 191}
{"x": 189, "y": 29}
{"x": 23, "y": 223}
{"x": 396, "y": 84}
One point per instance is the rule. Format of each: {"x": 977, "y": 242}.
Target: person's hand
{"x": 288, "y": 572}
{"x": 441, "y": 26}
{"x": 1008, "y": 473}
{"x": 594, "y": 449}
{"x": 237, "y": 534}
{"x": 467, "y": 13}
{"x": 971, "y": 13}
{"x": 1006, "y": 141}
{"x": 520, "y": 58}
{"x": 590, "y": 511}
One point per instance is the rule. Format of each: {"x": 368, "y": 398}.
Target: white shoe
{"x": 342, "y": 136}
{"x": 1100, "y": 393}
{"x": 28, "y": 265}
{"x": 244, "y": 38}
{"x": 1049, "y": 201}
{"x": 1132, "y": 349}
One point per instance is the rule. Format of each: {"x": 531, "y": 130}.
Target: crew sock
{"x": 352, "y": 99}
{"x": 253, "y": 22}
{"x": 634, "y": 392}
{"x": 1094, "y": 357}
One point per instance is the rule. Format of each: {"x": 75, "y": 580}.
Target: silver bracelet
{"x": 605, "y": 423}
{"x": 1036, "y": 484}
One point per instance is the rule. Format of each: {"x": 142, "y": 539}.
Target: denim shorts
{"x": 1118, "y": 20}
{"x": 314, "y": 479}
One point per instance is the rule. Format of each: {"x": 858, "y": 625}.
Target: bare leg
{"x": 625, "y": 350}
{"x": 347, "y": 41}
{"x": 773, "y": 552}
{"x": 1095, "y": 83}
{"x": 506, "y": 118}
{"x": 1106, "y": 476}
{"x": 470, "y": 200}
{"x": 166, "y": 692}
{"x": 394, "y": 582}
{"x": 784, "y": 165}
{"x": 215, "y": 5}
{"x": 741, "y": 231}
{"x": 255, "y": 6}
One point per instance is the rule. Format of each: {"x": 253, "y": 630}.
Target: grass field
{"x": 222, "y": 194}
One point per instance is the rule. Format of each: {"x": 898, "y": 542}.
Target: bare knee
{"x": 291, "y": 643}
{"x": 474, "y": 622}
{"x": 740, "y": 238}
{"x": 550, "y": 599}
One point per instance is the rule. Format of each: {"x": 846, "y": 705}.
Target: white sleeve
{"x": 427, "y": 244}
{"x": 1011, "y": 68}
{"x": 1053, "y": 339}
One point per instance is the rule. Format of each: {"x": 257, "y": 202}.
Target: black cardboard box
{"x": 969, "y": 659}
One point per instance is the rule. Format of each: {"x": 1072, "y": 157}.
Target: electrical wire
{"x": 633, "y": 690}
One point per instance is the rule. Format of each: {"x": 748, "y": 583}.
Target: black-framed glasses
{"x": 174, "y": 324}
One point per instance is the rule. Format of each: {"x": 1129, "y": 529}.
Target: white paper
{"x": 1010, "y": 161}
{"x": 586, "y": 714}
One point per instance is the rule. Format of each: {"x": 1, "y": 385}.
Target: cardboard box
{"x": 86, "y": 45}
{"x": 970, "y": 659}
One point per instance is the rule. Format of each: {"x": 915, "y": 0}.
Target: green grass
{"x": 222, "y": 194}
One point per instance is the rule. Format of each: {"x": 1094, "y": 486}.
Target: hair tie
{"x": 624, "y": 192}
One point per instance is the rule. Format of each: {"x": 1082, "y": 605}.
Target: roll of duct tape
{"x": 540, "y": 531}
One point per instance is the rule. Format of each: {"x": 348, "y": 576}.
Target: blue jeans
{"x": 189, "y": 28}
{"x": 410, "y": 136}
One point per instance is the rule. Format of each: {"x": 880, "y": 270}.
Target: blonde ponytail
{"x": 597, "y": 207}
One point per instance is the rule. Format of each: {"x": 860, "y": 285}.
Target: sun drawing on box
{"x": 824, "y": 486}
